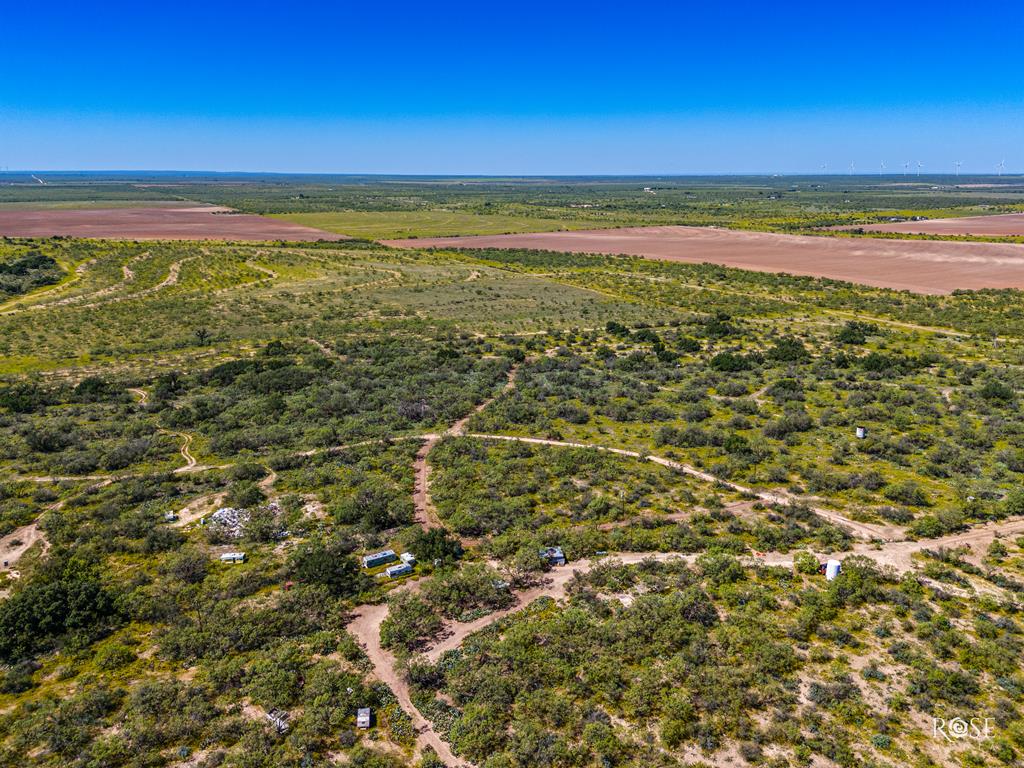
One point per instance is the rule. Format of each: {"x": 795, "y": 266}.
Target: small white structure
{"x": 278, "y": 719}
{"x": 832, "y": 569}
{"x": 553, "y": 555}
{"x": 394, "y": 571}
{"x": 233, "y": 557}
{"x": 170, "y": 517}
{"x": 861, "y": 433}
{"x": 408, "y": 558}
{"x": 364, "y": 717}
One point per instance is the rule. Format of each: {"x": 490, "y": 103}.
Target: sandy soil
{"x": 18, "y": 542}
{"x": 1003, "y": 224}
{"x": 198, "y": 508}
{"x": 365, "y": 626}
{"x": 426, "y": 515}
{"x": 919, "y": 266}
{"x": 194, "y": 223}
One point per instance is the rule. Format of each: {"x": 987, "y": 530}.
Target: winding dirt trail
{"x": 190, "y": 460}
{"x": 426, "y": 514}
{"x": 897, "y": 555}
{"x": 367, "y": 620}
{"x": 267, "y": 483}
{"x": 365, "y": 626}
{"x": 870, "y": 531}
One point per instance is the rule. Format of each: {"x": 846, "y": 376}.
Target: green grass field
{"x": 383, "y": 225}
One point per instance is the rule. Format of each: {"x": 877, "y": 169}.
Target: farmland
{"x": 377, "y": 225}
{"x": 362, "y": 205}
{"x": 687, "y": 433}
{"x": 919, "y": 266}
{"x": 1006, "y": 225}
{"x": 133, "y": 222}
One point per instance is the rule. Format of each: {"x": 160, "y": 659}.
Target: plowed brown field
{"x": 156, "y": 223}
{"x": 999, "y": 225}
{"x": 913, "y": 265}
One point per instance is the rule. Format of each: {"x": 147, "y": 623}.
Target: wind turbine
{"x": 920, "y": 165}
{"x": 851, "y": 168}
{"x": 957, "y": 165}
{"x": 906, "y": 167}
{"x": 824, "y": 169}
{"x": 1001, "y": 166}
{"x": 881, "y": 168}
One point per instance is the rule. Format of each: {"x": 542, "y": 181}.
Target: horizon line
{"x": 484, "y": 175}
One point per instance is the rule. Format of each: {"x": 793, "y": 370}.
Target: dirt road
{"x": 868, "y": 531}
{"x": 17, "y": 543}
{"x": 426, "y": 514}
{"x": 190, "y": 461}
{"x": 368, "y": 619}
{"x": 199, "y": 507}
{"x": 365, "y": 626}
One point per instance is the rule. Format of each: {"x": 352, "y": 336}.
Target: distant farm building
{"x": 861, "y": 433}
{"x": 233, "y": 557}
{"x": 408, "y": 558}
{"x": 364, "y": 717}
{"x": 553, "y": 555}
{"x": 378, "y": 559}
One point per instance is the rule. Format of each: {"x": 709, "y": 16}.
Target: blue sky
{"x": 511, "y": 88}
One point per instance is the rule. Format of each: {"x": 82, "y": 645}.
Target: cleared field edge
{"x": 934, "y": 267}
{"x": 434, "y": 223}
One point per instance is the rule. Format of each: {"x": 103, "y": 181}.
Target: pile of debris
{"x": 229, "y": 522}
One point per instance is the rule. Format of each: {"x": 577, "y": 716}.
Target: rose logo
{"x": 957, "y": 727}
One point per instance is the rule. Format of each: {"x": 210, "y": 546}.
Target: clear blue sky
{"x": 511, "y": 88}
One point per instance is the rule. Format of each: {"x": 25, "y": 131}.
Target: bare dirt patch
{"x": 997, "y": 225}
{"x": 155, "y": 223}
{"x": 913, "y": 265}
{"x": 17, "y": 543}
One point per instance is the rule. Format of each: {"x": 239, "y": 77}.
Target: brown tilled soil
{"x": 157, "y": 223}
{"x": 913, "y": 265}
{"x": 1000, "y": 225}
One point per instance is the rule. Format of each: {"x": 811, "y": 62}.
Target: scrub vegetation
{"x": 686, "y": 434}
